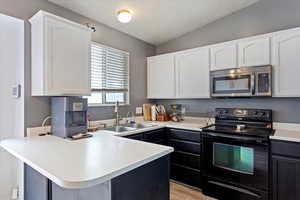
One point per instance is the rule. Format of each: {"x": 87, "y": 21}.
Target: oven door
{"x": 232, "y": 85}
{"x": 237, "y": 159}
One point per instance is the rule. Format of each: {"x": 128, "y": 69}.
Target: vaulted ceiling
{"x": 156, "y": 21}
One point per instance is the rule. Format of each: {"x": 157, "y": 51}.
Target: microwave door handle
{"x": 253, "y": 84}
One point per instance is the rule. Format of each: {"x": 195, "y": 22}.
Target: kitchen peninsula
{"x": 102, "y": 167}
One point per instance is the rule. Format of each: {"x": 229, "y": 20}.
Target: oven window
{"x": 234, "y": 158}
{"x": 236, "y": 84}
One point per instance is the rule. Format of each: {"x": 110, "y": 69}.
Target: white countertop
{"x": 190, "y": 123}
{"x": 286, "y": 135}
{"x": 86, "y": 162}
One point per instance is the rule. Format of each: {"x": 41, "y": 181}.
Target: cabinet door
{"x": 224, "y": 56}
{"x": 156, "y": 136}
{"x": 286, "y": 178}
{"x": 254, "y": 51}
{"x": 67, "y": 58}
{"x": 186, "y": 175}
{"x": 136, "y": 137}
{"x": 36, "y": 186}
{"x": 286, "y": 59}
{"x": 148, "y": 182}
{"x": 192, "y": 73}
{"x": 161, "y": 76}
{"x": 97, "y": 192}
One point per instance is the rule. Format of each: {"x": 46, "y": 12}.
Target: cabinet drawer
{"x": 185, "y": 175}
{"x": 286, "y": 148}
{"x": 185, "y": 135}
{"x": 155, "y": 136}
{"x": 136, "y": 137}
{"x": 190, "y": 147}
{"x": 186, "y": 159}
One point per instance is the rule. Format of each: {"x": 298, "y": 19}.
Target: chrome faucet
{"x": 117, "y": 113}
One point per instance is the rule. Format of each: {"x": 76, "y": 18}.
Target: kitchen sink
{"x": 139, "y": 126}
{"x": 120, "y": 129}
{"x": 128, "y": 127}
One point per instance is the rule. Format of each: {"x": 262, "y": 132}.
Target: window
{"x": 109, "y": 75}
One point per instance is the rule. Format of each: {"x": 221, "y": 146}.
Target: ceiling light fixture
{"x": 124, "y": 16}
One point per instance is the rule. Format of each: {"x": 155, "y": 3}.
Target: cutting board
{"x": 147, "y": 112}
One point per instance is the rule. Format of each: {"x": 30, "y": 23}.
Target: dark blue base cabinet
{"x": 185, "y": 161}
{"x": 286, "y": 170}
{"x": 147, "y": 182}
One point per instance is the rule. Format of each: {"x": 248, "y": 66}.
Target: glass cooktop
{"x": 240, "y": 129}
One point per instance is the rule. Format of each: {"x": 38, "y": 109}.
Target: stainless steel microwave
{"x": 242, "y": 82}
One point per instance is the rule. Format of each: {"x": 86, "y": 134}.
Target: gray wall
{"x": 263, "y": 17}
{"x": 36, "y": 108}
{"x": 285, "y": 110}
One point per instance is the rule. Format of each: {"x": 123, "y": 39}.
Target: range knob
{"x": 222, "y": 112}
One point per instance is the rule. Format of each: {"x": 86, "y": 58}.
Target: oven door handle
{"x": 242, "y": 138}
{"x": 241, "y": 190}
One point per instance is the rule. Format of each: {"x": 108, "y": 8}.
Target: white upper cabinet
{"x": 285, "y": 61}
{"x": 224, "y": 56}
{"x": 161, "y": 77}
{"x": 185, "y": 74}
{"x": 254, "y": 51}
{"x": 60, "y": 56}
{"x": 192, "y": 74}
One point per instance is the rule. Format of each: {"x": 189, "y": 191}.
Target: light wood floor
{"x": 181, "y": 192}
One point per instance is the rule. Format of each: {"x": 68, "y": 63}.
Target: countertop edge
{"x": 88, "y": 183}
{"x": 284, "y": 138}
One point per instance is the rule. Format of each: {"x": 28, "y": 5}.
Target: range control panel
{"x": 244, "y": 114}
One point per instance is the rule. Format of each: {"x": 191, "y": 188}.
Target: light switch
{"x": 16, "y": 91}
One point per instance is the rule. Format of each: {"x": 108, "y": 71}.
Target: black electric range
{"x": 235, "y": 153}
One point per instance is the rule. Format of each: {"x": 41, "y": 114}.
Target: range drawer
{"x": 156, "y": 136}
{"x": 186, "y": 159}
{"x": 285, "y": 148}
{"x": 186, "y": 175}
{"x": 193, "y": 136}
{"x": 190, "y": 147}
{"x": 224, "y": 190}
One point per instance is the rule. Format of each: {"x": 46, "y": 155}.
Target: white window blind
{"x": 109, "y": 69}
{"x": 109, "y": 75}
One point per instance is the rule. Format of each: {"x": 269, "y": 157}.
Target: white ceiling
{"x": 156, "y": 21}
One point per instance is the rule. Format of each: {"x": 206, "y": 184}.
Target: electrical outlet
{"x": 183, "y": 110}
{"x": 15, "y": 193}
{"x": 138, "y": 110}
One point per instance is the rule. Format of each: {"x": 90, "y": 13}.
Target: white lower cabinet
{"x": 192, "y": 70}
{"x": 161, "y": 77}
{"x": 286, "y": 63}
